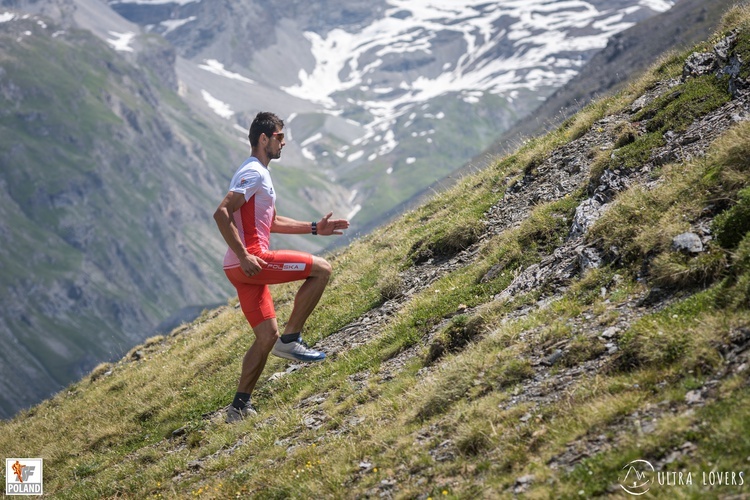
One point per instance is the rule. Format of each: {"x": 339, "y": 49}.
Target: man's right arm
{"x": 224, "y": 217}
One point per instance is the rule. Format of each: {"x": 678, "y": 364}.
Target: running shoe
{"x": 297, "y": 350}
{"x": 239, "y": 414}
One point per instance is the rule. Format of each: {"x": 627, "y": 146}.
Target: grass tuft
{"x": 460, "y": 331}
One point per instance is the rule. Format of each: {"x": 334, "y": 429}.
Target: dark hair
{"x": 265, "y": 122}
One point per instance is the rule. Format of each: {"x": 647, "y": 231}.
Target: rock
{"x": 610, "y": 332}
{"x": 654, "y": 296}
{"x": 522, "y": 483}
{"x": 553, "y": 358}
{"x": 694, "y": 397}
{"x": 699, "y": 63}
{"x": 687, "y": 243}
{"x": 610, "y": 183}
{"x": 589, "y": 258}
{"x": 587, "y": 213}
{"x": 527, "y": 479}
{"x": 725, "y": 45}
{"x": 179, "y": 432}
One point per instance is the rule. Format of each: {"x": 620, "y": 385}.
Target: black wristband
{"x": 314, "y": 228}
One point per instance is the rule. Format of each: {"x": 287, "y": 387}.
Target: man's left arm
{"x": 325, "y": 226}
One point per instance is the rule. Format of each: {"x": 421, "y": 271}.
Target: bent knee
{"x": 266, "y": 333}
{"x": 321, "y": 267}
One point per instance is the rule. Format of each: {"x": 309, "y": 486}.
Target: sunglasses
{"x": 279, "y": 136}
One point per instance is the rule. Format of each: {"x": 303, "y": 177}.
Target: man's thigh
{"x": 283, "y": 266}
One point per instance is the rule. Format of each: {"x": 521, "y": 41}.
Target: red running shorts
{"x": 282, "y": 266}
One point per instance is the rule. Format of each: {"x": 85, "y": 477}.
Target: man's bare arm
{"x": 325, "y": 226}
{"x": 224, "y": 217}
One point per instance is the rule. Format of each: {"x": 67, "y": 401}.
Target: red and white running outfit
{"x": 254, "y": 220}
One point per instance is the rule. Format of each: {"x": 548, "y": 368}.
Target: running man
{"x": 246, "y": 217}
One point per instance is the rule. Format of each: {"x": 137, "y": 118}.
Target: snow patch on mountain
{"x": 215, "y": 67}
{"x": 121, "y": 41}
{"x": 219, "y": 107}
{"x": 172, "y": 24}
{"x": 502, "y": 48}
{"x": 542, "y": 31}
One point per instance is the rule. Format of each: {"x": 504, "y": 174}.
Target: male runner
{"x": 246, "y": 217}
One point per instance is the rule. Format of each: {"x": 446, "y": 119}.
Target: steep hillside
{"x": 545, "y": 328}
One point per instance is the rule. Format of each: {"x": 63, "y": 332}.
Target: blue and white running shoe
{"x": 297, "y": 350}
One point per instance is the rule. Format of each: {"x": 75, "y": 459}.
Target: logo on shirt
{"x": 287, "y": 266}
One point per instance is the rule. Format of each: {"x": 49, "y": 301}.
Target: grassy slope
{"x": 445, "y": 425}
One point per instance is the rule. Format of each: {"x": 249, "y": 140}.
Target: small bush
{"x": 686, "y": 103}
{"x": 731, "y": 225}
{"x": 599, "y": 164}
{"x": 582, "y": 349}
{"x": 473, "y": 441}
{"x": 461, "y": 330}
{"x": 456, "y": 386}
{"x": 510, "y": 371}
{"x": 637, "y": 153}
{"x": 626, "y": 134}
{"x": 449, "y": 243}
{"x": 677, "y": 270}
{"x": 99, "y": 371}
{"x": 389, "y": 284}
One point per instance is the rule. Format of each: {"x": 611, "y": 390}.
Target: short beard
{"x": 271, "y": 154}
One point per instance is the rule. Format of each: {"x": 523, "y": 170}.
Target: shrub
{"x": 448, "y": 243}
{"x": 461, "y": 330}
{"x": 677, "y": 270}
{"x": 731, "y": 225}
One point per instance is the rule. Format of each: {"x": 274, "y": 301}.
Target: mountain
{"x": 572, "y": 316}
{"x": 107, "y": 185}
{"x": 122, "y": 121}
{"x": 109, "y": 181}
{"x": 627, "y": 54}
{"x": 383, "y": 97}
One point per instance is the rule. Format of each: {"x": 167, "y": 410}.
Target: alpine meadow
{"x": 576, "y": 307}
